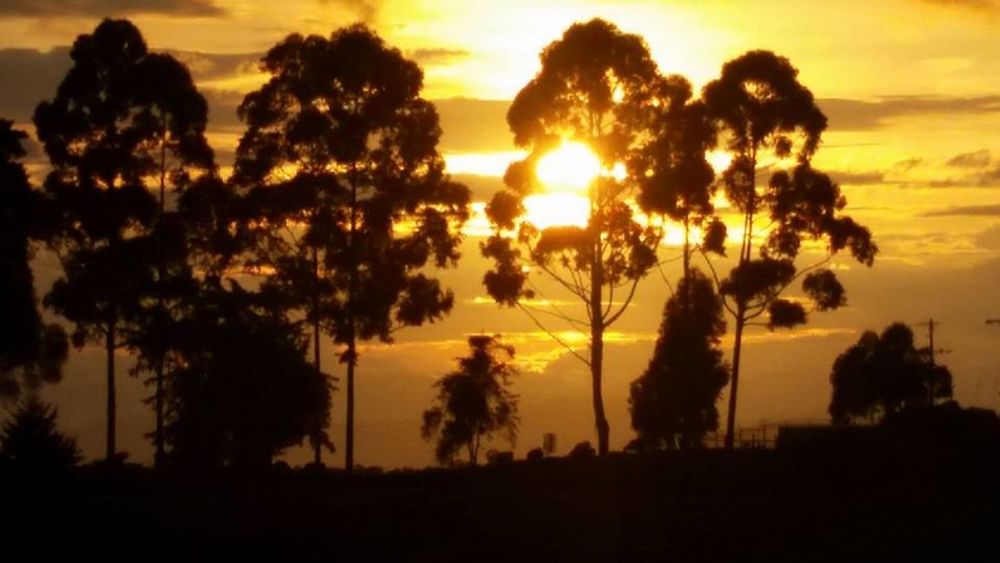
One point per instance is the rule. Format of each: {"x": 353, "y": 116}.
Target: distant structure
{"x": 992, "y": 322}
{"x": 931, "y": 350}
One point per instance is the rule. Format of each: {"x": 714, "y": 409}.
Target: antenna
{"x": 931, "y": 351}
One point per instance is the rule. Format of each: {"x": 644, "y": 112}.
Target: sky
{"x": 910, "y": 88}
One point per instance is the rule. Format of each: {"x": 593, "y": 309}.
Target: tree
{"x": 240, "y": 390}
{"x": 672, "y": 403}
{"x": 883, "y": 375}
{"x": 340, "y": 161}
{"x": 474, "y": 402}
{"x": 31, "y": 440}
{"x": 765, "y": 117}
{"x": 31, "y": 352}
{"x": 108, "y": 133}
{"x": 591, "y": 89}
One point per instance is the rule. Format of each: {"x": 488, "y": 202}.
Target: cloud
{"x": 217, "y": 66}
{"x": 108, "y": 8}
{"x": 474, "y": 125}
{"x": 858, "y": 115}
{"x": 966, "y": 211}
{"x": 988, "y": 5}
{"x": 851, "y": 178}
{"x": 990, "y": 238}
{"x": 31, "y": 76}
{"x": 366, "y": 10}
{"x": 987, "y": 178}
{"x": 436, "y": 55}
{"x": 976, "y": 159}
{"x": 908, "y": 164}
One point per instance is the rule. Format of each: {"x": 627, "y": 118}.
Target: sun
{"x": 572, "y": 166}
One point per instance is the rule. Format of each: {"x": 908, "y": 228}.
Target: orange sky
{"x": 910, "y": 87}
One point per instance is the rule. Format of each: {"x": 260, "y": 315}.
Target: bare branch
{"x": 553, "y": 336}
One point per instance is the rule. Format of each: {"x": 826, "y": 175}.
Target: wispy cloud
{"x": 108, "y": 8}
{"x": 966, "y": 211}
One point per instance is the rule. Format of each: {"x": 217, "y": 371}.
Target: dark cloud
{"x": 436, "y": 55}
{"x": 857, "y": 178}
{"x": 990, "y": 238}
{"x": 967, "y": 211}
{"x": 908, "y": 164}
{"x": 29, "y": 77}
{"x": 366, "y": 10}
{"x": 472, "y": 125}
{"x": 108, "y": 8}
{"x": 988, "y": 5}
{"x": 988, "y": 178}
{"x": 976, "y": 159}
{"x": 857, "y": 115}
{"x": 215, "y": 66}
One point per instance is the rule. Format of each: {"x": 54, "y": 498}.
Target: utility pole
{"x": 931, "y": 351}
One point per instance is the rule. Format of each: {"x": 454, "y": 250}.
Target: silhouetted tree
{"x": 240, "y": 390}
{"x": 474, "y": 402}
{"x": 31, "y": 353}
{"x": 884, "y": 374}
{"x": 592, "y": 87}
{"x": 340, "y": 160}
{"x": 766, "y": 116}
{"x": 30, "y": 439}
{"x": 672, "y": 403}
{"x": 123, "y": 121}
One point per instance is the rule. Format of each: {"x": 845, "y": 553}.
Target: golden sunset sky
{"x": 911, "y": 89}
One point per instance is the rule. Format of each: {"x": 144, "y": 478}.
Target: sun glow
{"x": 572, "y": 166}
{"x": 557, "y": 209}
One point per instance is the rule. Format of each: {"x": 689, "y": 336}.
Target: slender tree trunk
{"x": 735, "y": 380}
{"x": 318, "y": 440}
{"x": 351, "y": 330}
{"x": 158, "y": 456}
{"x": 597, "y": 352}
{"x": 109, "y": 454}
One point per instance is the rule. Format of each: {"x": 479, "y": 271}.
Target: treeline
{"x": 339, "y": 205}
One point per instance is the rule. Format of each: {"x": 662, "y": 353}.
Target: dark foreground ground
{"x": 900, "y": 504}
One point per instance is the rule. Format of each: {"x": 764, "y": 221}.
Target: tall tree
{"x": 672, "y": 403}
{"x": 31, "y": 353}
{"x": 592, "y": 85}
{"x": 765, "y": 117}
{"x": 474, "y": 402}
{"x": 340, "y": 159}
{"x": 884, "y": 373}
{"x": 123, "y": 122}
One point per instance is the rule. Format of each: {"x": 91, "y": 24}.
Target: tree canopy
{"x": 883, "y": 374}
{"x": 474, "y": 403}
{"x": 340, "y": 164}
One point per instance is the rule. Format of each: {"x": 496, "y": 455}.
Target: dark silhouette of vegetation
{"x": 883, "y": 374}
{"x": 672, "y": 403}
{"x": 474, "y": 403}
{"x": 340, "y": 164}
{"x": 762, "y": 110}
{"x": 241, "y": 390}
{"x": 31, "y": 352}
{"x": 122, "y": 120}
{"x": 31, "y": 441}
{"x": 592, "y": 88}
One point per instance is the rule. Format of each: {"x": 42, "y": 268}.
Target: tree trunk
{"x": 318, "y": 439}
{"x": 735, "y": 381}
{"x": 110, "y": 348}
{"x": 158, "y": 456}
{"x": 349, "y": 442}
{"x": 352, "y": 356}
{"x": 597, "y": 352}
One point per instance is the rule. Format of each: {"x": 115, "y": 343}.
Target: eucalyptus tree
{"x": 352, "y": 202}
{"x": 592, "y": 88}
{"x": 767, "y": 117}
{"x": 474, "y": 402}
{"x": 31, "y": 352}
{"x": 123, "y": 122}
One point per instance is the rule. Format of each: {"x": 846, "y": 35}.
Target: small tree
{"x": 30, "y": 439}
{"x": 673, "y": 403}
{"x": 884, "y": 374}
{"x": 766, "y": 116}
{"x": 592, "y": 88}
{"x": 474, "y": 402}
{"x": 241, "y": 390}
{"x": 340, "y": 164}
{"x": 31, "y": 353}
